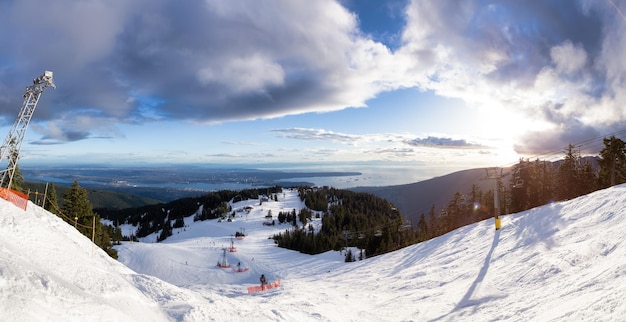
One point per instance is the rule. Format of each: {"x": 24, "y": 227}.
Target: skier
{"x": 262, "y": 279}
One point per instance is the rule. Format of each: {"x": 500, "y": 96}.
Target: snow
{"x": 561, "y": 262}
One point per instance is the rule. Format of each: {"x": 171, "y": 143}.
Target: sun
{"x": 501, "y": 128}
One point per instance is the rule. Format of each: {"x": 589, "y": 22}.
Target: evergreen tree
{"x": 282, "y": 217}
{"x": 476, "y": 196}
{"x": 568, "y": 175}
{"x": 179, "y": 222}
{"x": 76, "y": 206}
{"x": 545, "y": 174}
{"x": 432, "y": 220}
{"x": 349, "y": 256}
{"x": 612, "y": 162}
{"x": 18, "y": 180}
{"x": 166, "y": 232}
{"x": 422, "y": 229}
{"x": 588, "y": 179}
{"x": 117, "y": 234}
{"x": 51, "y": 203}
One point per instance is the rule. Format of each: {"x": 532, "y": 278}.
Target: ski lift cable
{"x": 556, "y": 155}
{"x": 594, "y": 142}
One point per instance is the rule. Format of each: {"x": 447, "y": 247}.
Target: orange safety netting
{"x": 15, "y": 197}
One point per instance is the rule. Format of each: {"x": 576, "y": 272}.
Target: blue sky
{"x": 460, "y": 83}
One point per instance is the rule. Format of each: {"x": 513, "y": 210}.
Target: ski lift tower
{"x": 10, "y": 149}
{"x": 496, "y": 174}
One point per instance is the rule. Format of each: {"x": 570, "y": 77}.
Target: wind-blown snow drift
{"x": 564, "y": 261}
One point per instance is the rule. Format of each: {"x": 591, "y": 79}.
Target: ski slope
{"x": 561, "y": 262}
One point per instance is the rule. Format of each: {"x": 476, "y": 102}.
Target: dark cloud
{"x": 191, "y": 60}
{"x": 67, "y": 136}
{"x": 553, "y": 142}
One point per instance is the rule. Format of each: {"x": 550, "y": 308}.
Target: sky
{"x": 559, "y": 262}
{"x": 458, "y": 83}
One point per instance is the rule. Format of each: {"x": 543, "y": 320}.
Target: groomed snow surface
{"x": 561, "y": 262}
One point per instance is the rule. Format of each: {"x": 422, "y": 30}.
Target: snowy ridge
{"x": 561, "y": 262}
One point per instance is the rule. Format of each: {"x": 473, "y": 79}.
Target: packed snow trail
{"x": 561, "y": 262}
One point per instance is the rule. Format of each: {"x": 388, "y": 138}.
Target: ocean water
{"x": 376, "y": 176}
{"x": 244, "y": 177}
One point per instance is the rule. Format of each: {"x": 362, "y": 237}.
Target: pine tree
{"x": 422, "y": 229}
{"x": 349, "y": 256}
{"x": 612, "y": 162}
{"x": 117, "y": 234}
{"x": 588, "y": 179}
{"x": 166, "y": 232}
{"x": 76, "y": 206}
{"x": 432, "y": 220}
{"x": 51, "y": 203}
{"x": 18, "y": 180}
{"x": 568, "y": 175}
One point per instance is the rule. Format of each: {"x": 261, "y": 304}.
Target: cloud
{"x": 65, "y": 137}
{"x": 399, "y": 153}
{"x": 245, "y": 156}
{"x": 554, "y": 142}
{"x": 215, "y": 61}
{"x": 239, "y": 143}
{"x": 443, "y": 143}
{"x": 556, "y": 63}
{"x": 568, "y": 58}
{"x": 316, "y": 135}
{"x": 206, "y": 61}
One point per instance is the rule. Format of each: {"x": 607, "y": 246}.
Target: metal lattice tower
{"x": 10, "y": 149}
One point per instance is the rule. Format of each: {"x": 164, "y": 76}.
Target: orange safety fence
{"x": 15, "y": 197}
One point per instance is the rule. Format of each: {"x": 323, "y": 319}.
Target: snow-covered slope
{"x": 48, "y": 273}
{"x": 565, "y": 261}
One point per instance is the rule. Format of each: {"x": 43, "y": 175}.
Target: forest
{"x": 533, "y": 183}
{"x": 349, "y": 219}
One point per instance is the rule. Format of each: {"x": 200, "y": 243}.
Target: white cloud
{"x": 245, "y": 74}
{"x": 568, "y": 57}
